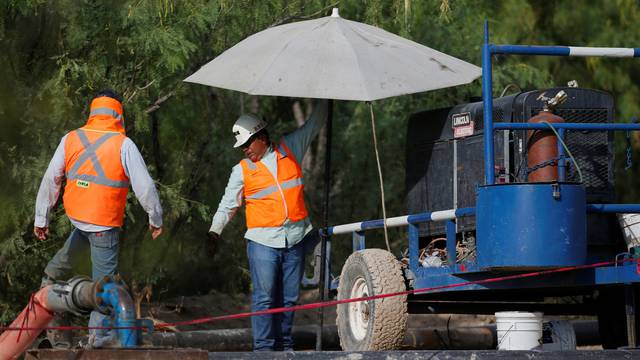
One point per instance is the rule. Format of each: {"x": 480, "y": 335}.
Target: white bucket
{"x": 630, "y": 224}
{"x": 519, "y": 330}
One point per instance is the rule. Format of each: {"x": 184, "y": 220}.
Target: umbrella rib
{"x": 368, "y": 97}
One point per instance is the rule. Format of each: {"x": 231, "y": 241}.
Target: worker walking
{"x": 99, "y": 163}
{"x": 270, "y": 180}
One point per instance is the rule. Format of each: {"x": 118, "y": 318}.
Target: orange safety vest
{"x": 97, "y": 185}
{"x": 271, "y": 201}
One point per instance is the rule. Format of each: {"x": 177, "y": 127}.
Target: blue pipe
{"x": 562, "y": 171}
{"x": 468, "y": 211}
{"x": 487, "y": 100}
{"x": 566, "y": 126}
{"x": 613, "y": 208}
{"x": 530, "y": 50}
{"x": 358, "y": 240}
{"x": 372, "y": 224}
{"x": 117, "y": 298}
{"x": 451, "y": 243}
{"x": 414, "y": 247}
{"x": 565, "y": 51}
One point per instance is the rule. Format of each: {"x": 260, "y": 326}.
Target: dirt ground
{"x": 187, "y": 308}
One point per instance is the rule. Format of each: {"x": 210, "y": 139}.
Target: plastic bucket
{"x": 630, "y": 224}
{"x": 518, "y": 330}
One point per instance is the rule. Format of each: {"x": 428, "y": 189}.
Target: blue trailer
{"x": 504, "y": 225}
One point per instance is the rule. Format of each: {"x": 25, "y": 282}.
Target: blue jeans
{"x": 104, "y": 261}
{"x": 276, "y": 276}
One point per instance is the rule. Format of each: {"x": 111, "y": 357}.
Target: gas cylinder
{"x": 542, "y": 145}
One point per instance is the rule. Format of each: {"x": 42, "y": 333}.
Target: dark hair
{"x": 264, "y": 133}
{"x": 109, "y": 93}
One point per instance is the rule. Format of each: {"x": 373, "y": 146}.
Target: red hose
{"x": 32, "y": 320}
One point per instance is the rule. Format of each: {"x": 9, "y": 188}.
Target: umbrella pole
{"x": 324, "y": 238}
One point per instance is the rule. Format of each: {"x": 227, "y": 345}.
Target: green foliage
{"x": 57, "y": 54}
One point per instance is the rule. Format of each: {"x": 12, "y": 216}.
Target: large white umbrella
{"x": 332, "y": 58}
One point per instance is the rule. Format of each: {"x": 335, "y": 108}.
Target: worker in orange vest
{"x": 99, "y": 163}
{"x": 270, "y": 181}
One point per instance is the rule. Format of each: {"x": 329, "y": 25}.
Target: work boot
{"x": 58, "y": 338}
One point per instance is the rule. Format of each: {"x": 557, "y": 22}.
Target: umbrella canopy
{"x": 332, "y": 58}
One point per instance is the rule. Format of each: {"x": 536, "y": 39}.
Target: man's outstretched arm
{"x": 230, "y": 202}
{"x": 49, "y": 191}
{"x": 299, "y": 140}
{"x": 143, "y": 185}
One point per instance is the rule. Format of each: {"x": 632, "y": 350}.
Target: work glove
{"x": 212, "y": 243}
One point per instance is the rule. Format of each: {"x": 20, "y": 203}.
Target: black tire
{"x": 378, "y": 324}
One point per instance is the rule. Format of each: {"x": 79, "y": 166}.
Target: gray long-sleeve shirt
{"x": 290, "y": 233}
{"x": 135, "y": 169}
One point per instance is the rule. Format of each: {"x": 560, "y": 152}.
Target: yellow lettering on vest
{"x": 82, "y": 183}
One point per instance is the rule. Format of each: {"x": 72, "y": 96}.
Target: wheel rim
{"x": 359, "y": 311}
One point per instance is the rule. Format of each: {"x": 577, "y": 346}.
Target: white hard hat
{"x": 246, "y": 126}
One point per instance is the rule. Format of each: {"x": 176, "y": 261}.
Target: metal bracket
{"x": 555, "y": 188}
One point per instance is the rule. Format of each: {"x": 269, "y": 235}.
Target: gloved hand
{"x": 212, "y": 243}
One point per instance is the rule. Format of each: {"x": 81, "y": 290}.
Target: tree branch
{"x": 157, "y": 103}
{"x": 305, "y": 17}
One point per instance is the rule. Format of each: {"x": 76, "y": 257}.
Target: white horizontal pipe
{"x": 347, "y": 228}
{"x": 443, "y": 215}
{"x": 394, "y": 221}
{"x": 398, "y": 221}
{"x": 598, "y": 51}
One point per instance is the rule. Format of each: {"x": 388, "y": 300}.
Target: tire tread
{"x": 390, "y": 314}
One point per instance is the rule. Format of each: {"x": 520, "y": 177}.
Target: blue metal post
{"x": 358, "y": 240}
{"x": 562, "y": 170}
{"x": 487, "y": 99}
{"x": 451, "y": 243}
{"x": 613, "y": 208}
{"x": 327, "y": 266}
{"x": 414, "y": 239}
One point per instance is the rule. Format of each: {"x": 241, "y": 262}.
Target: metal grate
{"x": 498, "y": 115}
{"x": 591, "y": 149}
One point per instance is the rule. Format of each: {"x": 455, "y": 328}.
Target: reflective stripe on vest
{"x": 270, "y": 200}
{"x": 271, "y": 189}
{"x": 90, "y": 153}
{"x": 107, "y": 111}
